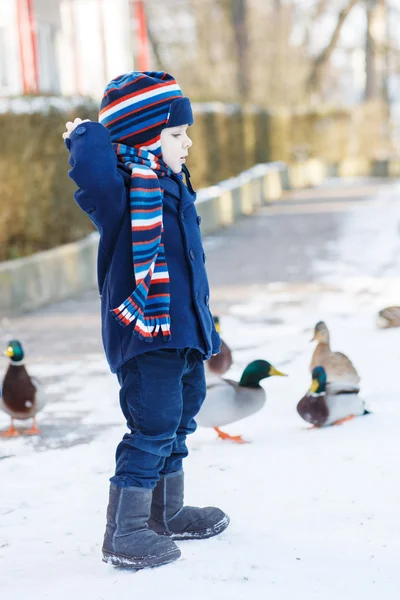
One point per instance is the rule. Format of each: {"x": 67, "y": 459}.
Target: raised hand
{"x": 70, "y": 126}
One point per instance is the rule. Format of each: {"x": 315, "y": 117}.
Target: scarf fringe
{"x": 146, "y": 328}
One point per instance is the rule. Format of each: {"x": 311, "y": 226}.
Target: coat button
{"x": 198, "y": 219}
{"x": 206, "y": 299}
{"x": 204, "y": 257}
{"x": 182, "y": 216}
{"x": 80, "y": 130}
{"x": 192, "y": 254}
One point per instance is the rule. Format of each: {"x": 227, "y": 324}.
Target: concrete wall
{"x": 46, "y": 277}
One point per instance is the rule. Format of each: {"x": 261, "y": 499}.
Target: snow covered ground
{"x": 314, "y": 513}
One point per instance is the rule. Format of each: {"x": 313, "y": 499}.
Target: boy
{"x": 157, "y": 328}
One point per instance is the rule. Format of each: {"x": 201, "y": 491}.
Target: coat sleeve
{"x": 216, "y": 341}
{"x": 93, "y": 162}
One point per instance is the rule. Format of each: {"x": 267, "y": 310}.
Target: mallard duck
{"x": 21, "y": 397}
{"x": 339, "y": 368}
{"x": 389, "y": 317}
{"x": 329, "y": 404}
{"x": 220, "y": 363}
{"x": 228, "y": 401}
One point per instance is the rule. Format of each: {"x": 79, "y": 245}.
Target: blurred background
{"x": 275, "y": 53}
{"x": 283, "y": 80}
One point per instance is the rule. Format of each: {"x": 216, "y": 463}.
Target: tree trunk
{"x": 239, "y": 14}
{"x": 375, "y": 50}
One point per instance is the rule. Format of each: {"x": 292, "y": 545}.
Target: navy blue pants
{"x": 161, "y": 393}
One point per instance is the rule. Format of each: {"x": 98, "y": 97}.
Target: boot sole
{"x": 204, "y": 534}
{"x": 129, "y": 562}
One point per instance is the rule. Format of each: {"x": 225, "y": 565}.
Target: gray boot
{"x": 128, "y": 542}
{"x": 170, "y": 518}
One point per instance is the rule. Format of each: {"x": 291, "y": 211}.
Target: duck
{"x": 21, "y": 396}
{"x": 218, "y": 365}
{"x": 339, "y": 368}
{"x": 228, "y": 401}
{"x": 326, "y": 404}
{"x": 389, "y": 317}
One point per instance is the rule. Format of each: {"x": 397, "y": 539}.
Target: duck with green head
{"x": 228, "y": 401}
{"x": 330, "y": 404}
{"x": 21, "y": 397}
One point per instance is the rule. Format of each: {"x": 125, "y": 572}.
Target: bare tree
{"x": 261, "y": 51}
{"x": 239, "y": 22}
{"x": 323, "y": 58}
{"x": 376, "y": 50}
{"x": 318, "y": 11}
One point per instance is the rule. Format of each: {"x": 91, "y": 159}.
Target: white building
{"x": 68, "y": 47}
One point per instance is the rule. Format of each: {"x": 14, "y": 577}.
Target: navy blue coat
{"x": 104, "y": 195}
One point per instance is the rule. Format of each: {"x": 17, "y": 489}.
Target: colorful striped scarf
{"x": 149, "y": 302}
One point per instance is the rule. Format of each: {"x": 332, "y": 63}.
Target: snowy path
{"x": 315, "y": 513}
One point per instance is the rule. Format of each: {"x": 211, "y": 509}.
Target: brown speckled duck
{"x": 218, "y": 365}
{"x": 389, "y": 317}
{"x": 21, "y": 397}
{"x": 339, "y": 368}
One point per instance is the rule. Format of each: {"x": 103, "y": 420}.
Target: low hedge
{"x": 36, "y": 195}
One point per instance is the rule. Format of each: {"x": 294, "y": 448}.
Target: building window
{"x": 47, "y": 56}
{"x": 3, "y": 59}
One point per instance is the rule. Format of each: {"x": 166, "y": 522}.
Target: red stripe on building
{"x": 28, "y": 46}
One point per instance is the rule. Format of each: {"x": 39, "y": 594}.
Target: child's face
{"x": 175, "y": 144}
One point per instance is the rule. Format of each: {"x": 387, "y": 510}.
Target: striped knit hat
{"x": 135, "y": 108}
{"x": 138, "y": 105}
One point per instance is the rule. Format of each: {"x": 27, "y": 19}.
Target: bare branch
{"x": 326, "y": 53}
